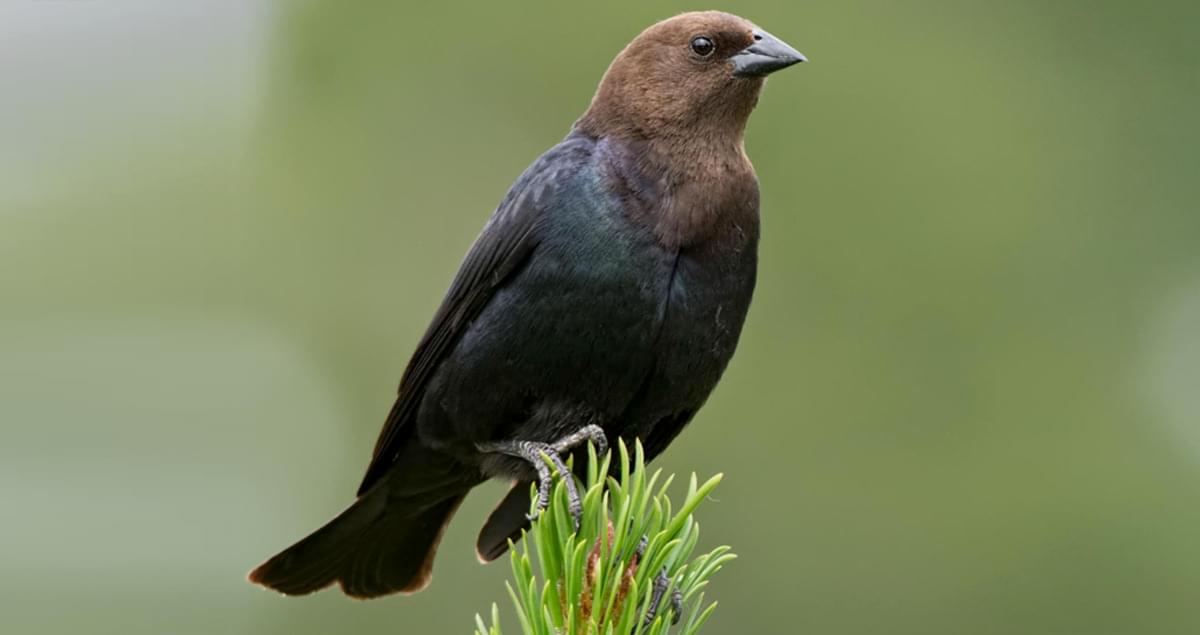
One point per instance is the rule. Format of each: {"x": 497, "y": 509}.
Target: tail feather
{"x": 381, "y": 544}
{"x": 505, "y": 523}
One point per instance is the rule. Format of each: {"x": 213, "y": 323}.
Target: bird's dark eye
{"x": 703, "y": 46}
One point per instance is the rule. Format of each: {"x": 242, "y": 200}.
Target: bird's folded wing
{"x": 506, "y": 242}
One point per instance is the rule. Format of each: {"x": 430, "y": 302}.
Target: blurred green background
{"x": 967, "y": 399}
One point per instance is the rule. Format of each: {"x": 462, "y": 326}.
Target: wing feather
{"x": 504, "y": 245}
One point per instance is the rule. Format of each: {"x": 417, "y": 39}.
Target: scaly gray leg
{"x": 532, "y": 452}
{"x": 591, "y": 433}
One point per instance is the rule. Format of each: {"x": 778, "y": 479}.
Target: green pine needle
{"x": 592, "y": 582}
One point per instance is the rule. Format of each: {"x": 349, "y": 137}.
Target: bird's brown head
{"x": 694, "y": 74}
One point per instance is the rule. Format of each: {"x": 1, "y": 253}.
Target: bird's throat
{"x": 684, "y": 191}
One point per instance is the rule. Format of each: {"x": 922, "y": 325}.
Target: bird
{"x": 603, "y": 299}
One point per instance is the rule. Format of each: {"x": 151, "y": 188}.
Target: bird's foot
{"x": 661, "y": 582}
{"x": 537, "y": 453}
{"x": 593, "y": 433}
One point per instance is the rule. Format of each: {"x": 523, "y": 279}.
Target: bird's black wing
{"x": 505, "y": 244}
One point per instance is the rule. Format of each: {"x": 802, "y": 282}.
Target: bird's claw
{"x": 539, "y": 453}
{"x": 592, "y": 432}
{"x": 575, "y": 507}
{"x": 543, "y": 497}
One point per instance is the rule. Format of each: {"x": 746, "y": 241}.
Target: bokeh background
{"x": 967, "y": 400}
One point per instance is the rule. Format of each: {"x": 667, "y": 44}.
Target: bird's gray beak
{"x": 764, "y": 56}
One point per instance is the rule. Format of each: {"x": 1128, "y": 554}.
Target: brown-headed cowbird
{"x": 603, "y": 298}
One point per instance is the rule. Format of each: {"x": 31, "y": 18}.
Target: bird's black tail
{"x": 505, "y": 523}
{"x": 384, "y": 543}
